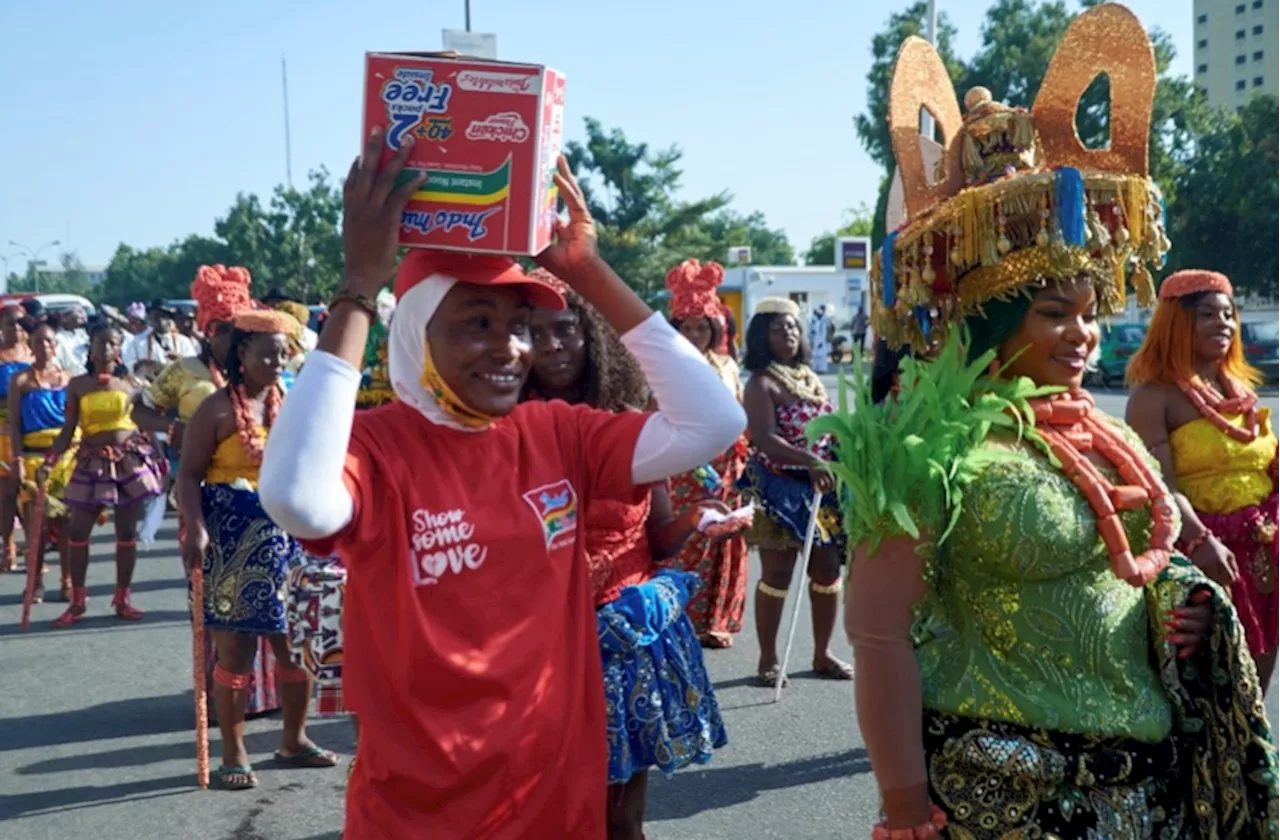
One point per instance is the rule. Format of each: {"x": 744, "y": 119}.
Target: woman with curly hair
{"x": 782, "y": 475}
{"x": 723, "y": 565}
{"x": 662, "y": 710}
{"x": 115, "y": 468}
{"x": 245, "y": 556}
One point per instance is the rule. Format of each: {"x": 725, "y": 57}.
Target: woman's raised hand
{"x": 372, "y": 205}
{"x": 575, "y": 241}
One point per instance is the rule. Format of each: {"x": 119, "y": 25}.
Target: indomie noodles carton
{"x": 487, "y": 134}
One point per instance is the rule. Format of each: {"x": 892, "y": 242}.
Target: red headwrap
{"x": 693, "y": 289}
{"x": 220, "y": 294}
{"x": 1192, "y": 281}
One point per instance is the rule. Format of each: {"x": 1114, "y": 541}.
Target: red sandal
{"x": 74, "y": 614}
{"x": 124, "y": 610}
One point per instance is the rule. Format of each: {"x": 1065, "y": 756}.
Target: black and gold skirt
{"x": 998, "y": 780}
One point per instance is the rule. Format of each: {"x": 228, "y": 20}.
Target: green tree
{"x": 1231, "y": 182}
{"x": 294, "y": 243}
{"x": 822, "y": 249}
{"x": 158, "y": 273}
{"x": 711, "y": 239}
{"x": 630, "y": 190}
{"x": 71, "y": 279}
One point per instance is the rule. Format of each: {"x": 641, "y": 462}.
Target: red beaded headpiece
{"x": 220, "y": 294}
{"x": 693, "y": 289}
{"x": 1192, "y": 281}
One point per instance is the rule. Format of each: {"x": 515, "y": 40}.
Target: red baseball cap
{"x": 475, "y": 269}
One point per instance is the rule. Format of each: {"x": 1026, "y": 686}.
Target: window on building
{"x": 1239, "y": 34}
{"x": 1257, "y": 55}
{"x": 1240, "y": 9}
{"x": 1257, "y": 81}
{"x": 1202, "y": 19}
{"x": 1202, "y": 43}
{"x": 1257, "y": 4}
{"x": 1239, "y": 59}
{"x": 1257, "y": 30}
{"x": 1202, "y": 69}
{"x": 1240, "y": 85}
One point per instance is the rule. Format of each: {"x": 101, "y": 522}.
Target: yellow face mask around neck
{"x": 449, "y": 402}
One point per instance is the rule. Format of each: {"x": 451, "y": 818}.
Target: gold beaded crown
{"x": 1015, "y": 197}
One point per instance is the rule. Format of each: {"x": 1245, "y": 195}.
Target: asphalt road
{"x": 96, "y": 740}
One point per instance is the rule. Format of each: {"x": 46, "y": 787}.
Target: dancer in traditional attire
{"x": 167, "y": 406}
{"x": 245, "y": 557}
{"x": 37, "y": 410}
{"x": 472, "y": 643}
{"x": 15, "y": 355}
{"x": 660, "y": 705}
{"x": 1034, "y": 660}
{"x": 115, "y": 468}
{"x": 723, "y": 565}
{"x": 1193, "y": 403}
{"x": 782, "y": 475}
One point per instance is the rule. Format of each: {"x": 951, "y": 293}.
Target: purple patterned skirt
{"x": 112, "y": 475}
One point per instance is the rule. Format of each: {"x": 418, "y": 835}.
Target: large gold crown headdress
{"x": 1015, "y": 197}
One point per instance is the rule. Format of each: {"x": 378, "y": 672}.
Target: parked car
{"x": 53, "y": 301}
{"x": 1119, "y": 342}
{"x": 1261, "y": 341}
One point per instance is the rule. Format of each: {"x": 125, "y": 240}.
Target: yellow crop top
{"x": 1220, "y": 475}
{"x": 106, "y": 411}
{"x": 230, "y": 463}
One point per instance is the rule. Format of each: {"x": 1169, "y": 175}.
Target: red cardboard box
{"x": 486, "y": 132}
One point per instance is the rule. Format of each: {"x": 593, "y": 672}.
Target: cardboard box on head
{"x": 487, "y": 133}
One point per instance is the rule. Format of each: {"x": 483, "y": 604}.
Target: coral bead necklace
{"x": 1213, "y": 405}
{"x": 1071, "y": 426}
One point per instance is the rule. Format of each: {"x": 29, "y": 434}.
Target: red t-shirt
{"x": 470, "y": 635}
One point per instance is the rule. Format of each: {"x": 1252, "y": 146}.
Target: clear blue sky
{"x": 140, "y": 121}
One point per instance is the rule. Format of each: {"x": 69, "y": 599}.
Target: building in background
{"x": 95, "y": 274}
{"x": 839, "y": 289}
{"x": 1236, "y": 54}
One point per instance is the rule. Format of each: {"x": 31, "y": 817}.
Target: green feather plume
{"x": 903, "y": 465}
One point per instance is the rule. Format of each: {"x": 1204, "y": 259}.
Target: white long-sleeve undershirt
{"x": 301, "y": 484}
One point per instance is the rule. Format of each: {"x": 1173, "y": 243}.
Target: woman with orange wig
{"x": 1194, "y": 405}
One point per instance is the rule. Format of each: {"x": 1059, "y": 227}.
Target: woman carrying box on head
{"x": 457, "y": 512}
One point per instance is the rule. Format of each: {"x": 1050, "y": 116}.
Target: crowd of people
{"x": 1063, "y": 623}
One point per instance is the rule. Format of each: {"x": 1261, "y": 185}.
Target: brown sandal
{"x": 769, "y": 677}
{"x": 834, "y": 670}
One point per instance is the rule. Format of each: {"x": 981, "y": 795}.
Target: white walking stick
{"x": 801, "y": 565}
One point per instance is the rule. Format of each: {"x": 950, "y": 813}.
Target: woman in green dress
{"x": 1034, "y": 659}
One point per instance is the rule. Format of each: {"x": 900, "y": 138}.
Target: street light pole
{"x": 35, "y": 257}
{"x": 467, "y": 8}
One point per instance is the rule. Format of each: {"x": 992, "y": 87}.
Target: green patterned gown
{"x": 1054, "y": 708}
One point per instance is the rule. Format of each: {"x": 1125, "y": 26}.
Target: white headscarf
{"x": 407, "y": 348}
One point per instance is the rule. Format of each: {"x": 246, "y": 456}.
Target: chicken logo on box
{"x": 485, "y": 133}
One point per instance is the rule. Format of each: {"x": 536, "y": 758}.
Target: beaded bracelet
{"x": 345, "y": 295}
{"x": 924, "y": 831}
